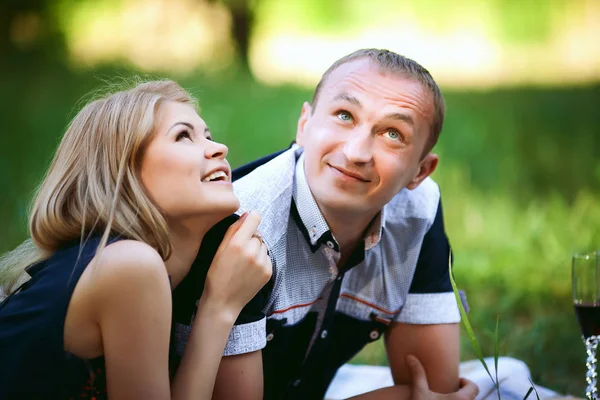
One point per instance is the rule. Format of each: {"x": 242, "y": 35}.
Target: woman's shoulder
{"x": 124, "y": 279}
{"x": 127, "y": 278}
{"x": 126, "y": 252}
{"x": 127, "y": 263}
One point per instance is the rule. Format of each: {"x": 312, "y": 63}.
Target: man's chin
{"x": 342, "y": 204}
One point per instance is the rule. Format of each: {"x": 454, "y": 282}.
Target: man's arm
{"x": 436, "y": 346}
{"x": 419, "y": 388}
{"x": 427, "y": 326}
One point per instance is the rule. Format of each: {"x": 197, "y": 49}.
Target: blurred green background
{"x": 519, "y": 172}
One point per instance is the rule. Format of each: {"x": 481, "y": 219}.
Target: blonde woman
{"x": 135, "y": 184}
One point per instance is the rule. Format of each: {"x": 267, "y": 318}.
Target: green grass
{"x": 519, "y": 175}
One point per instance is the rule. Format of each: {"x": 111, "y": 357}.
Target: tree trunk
{"x": 241, "y": 29}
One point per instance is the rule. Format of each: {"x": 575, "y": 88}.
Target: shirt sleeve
{"x": 248, "y": 333}
{"x": 430, "y": 298}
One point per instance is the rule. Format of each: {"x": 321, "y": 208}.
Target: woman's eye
{"x": 344, "y": 116}
{"x": 183, "y": 135}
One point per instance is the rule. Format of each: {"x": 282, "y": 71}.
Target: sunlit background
{"x": 519, "y": 172}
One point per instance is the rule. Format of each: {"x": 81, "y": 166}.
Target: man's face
{"x": 365, "y": 138}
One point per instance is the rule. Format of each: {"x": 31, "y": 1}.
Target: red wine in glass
{"x": 586, "y": 298}
{"x": 588, "y": 315}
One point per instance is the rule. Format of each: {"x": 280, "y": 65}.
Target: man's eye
{"x": 393, "y": 134}
{"x": 183, "y": 135}
{"x": 344, "y": 116}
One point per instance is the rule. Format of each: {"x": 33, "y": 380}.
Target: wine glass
{"x": 586, "y": 297}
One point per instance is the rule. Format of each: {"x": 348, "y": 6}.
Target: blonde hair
{"x": 93, "y": 185}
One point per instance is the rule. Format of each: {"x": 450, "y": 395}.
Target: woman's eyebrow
{"x": 181, "y": 123}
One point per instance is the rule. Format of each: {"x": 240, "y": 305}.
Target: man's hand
{"x": 420, "y": 388}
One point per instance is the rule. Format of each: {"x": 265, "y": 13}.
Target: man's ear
{"x": 426, "y": 168}
{"x": 304, "y": 117}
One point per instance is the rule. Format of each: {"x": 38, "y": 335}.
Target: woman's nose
{"x": 216, "y": 150}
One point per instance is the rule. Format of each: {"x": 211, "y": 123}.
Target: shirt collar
{"x": 375, "y": 230}
{"x": 314, "y": 223}
{"x": 308, "y": 210}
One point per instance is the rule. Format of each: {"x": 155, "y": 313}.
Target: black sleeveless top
{"x": 33, "y": 362}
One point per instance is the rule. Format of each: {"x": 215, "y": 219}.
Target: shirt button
{"x": 339, "y": 278}
{"x": 330, "y": 244}
{"x": 374, "y": 334}
{"x": 270, "y": 337}
{"x": 323, "y": 334}
{"x": 296, "y": 382}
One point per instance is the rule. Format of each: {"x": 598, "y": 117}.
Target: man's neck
{"x": 348, "y": 230}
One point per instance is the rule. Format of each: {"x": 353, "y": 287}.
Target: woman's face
{"x": 183, "y": 170}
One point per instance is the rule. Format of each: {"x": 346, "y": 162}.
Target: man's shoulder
{"x": 268, "y": 189}
{"x": 421, "y": 202}
{"x": 268, "y": 181}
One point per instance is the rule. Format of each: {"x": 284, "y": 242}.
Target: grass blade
{"x": 534, "y": 389}
{"x": 467, "y": 324}
{"x": 528, "y": 393}
{"x": 496, "y": 355}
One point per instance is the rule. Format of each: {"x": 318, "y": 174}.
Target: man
{"x": 355, "y": 230}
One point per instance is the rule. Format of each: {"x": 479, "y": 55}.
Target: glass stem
{"x": 591, "y": 344}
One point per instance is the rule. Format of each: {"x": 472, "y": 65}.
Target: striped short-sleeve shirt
{"x": 313, "y": 318}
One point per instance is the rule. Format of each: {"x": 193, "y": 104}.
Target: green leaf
{"x": 467, "y": 324}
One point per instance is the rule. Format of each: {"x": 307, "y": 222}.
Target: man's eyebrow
{"x": 401, "y": 117}
{"x": 347, "y": 97}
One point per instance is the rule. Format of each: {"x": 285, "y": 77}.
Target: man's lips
{"x": 350, "y": 174}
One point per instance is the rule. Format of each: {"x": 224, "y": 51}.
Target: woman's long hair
{"x": 93, "y": 185}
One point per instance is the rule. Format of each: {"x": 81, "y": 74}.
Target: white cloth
{"x": 513, "y": 375}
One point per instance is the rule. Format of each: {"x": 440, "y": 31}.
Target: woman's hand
{"x": 240, "y": 268}
{"x": 420, "y": 388}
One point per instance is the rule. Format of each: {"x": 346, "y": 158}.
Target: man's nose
{"x": 358, "y": 147}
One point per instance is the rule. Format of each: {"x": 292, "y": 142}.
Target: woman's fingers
{"x": 265, "y": 260}
{"x": 248, "y": 227}
{"x": 251, "y": 250}
{"x": 232, "y": 230}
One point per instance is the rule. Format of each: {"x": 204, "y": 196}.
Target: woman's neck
{"x": 185, "y": 244}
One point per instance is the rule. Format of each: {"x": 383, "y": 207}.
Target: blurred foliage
{"x": 516, "y": 21}
{"x": 29, "y": 32}
{"x": 519, "y": 172}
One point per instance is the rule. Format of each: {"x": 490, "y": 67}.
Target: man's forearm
{"x": 396, "y": 392}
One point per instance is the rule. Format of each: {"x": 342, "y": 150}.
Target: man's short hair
{"x": 389, "y": 61}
